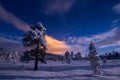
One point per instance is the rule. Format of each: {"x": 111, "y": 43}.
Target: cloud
{"x": 56, "y": 46}
{"x": 12, "y": 19}
{"x": 117, "y": 49}
{"x": 116, "y": 22}
{"x": 2, "y": 40}
{"x": 116, "y": 8}
{"x": 102, "y": 40}
{"x": 78, "y": 48}
{"x": 111, "y": 40}
{"x": 11, "y": 38}
{"x": 95, "y": 38}
{"x": 11, "y": 44}
{"x": 58, "y": 7}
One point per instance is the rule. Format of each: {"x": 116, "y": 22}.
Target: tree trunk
{"x": 36, "y": 60}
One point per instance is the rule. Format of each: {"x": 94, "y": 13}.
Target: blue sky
{"x": 73, "y": 23}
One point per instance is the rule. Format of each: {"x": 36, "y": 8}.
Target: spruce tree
{"x": 94, "y": 59}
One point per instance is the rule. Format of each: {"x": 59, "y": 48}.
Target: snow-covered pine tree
{"x": 94, "y": 59}
{"x": 35, "y": 38}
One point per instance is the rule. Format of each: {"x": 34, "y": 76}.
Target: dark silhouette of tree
{"x": 78, "y": 56}
{"x": 72, "y": 54}
{"x": 67, "y": 57}
{"x": 111, "y": 55}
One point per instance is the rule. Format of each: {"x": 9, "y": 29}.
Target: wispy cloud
{"x": 58, "y": 7}
{"x": 11, "y": 38}
{"x": 113, "y": 40}
{"x": 117, "y": 49}
{"x": 9, "y": 43}
{"x": 102, "y": 40}
{"x": 3, "y": 40}
{"x": 12, "y": 19}
{"x": 55, "y": 46}
{"x": 116, "y": 8}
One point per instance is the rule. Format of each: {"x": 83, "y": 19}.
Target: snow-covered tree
{"x": 35, "y": 38}
{"x": 94, "y": 59}
{"x": 9, "y": 56}
{"x": 67, "y": 56}
{"x": 78, "y": 56}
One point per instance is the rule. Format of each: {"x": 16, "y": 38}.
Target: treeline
{"x": 110, "y": 55}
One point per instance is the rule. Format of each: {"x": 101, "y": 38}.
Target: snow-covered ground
{"x": 77, "y": 70}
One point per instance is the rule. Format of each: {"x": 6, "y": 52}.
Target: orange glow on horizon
{"x": 56, "y": 46}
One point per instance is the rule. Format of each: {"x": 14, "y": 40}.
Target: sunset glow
{"x": 56, "y": 46}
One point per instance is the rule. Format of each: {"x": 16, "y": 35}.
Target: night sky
{"x": 71, "y": 24}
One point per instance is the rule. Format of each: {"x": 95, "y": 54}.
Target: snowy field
{"x": 77, "y": 70}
